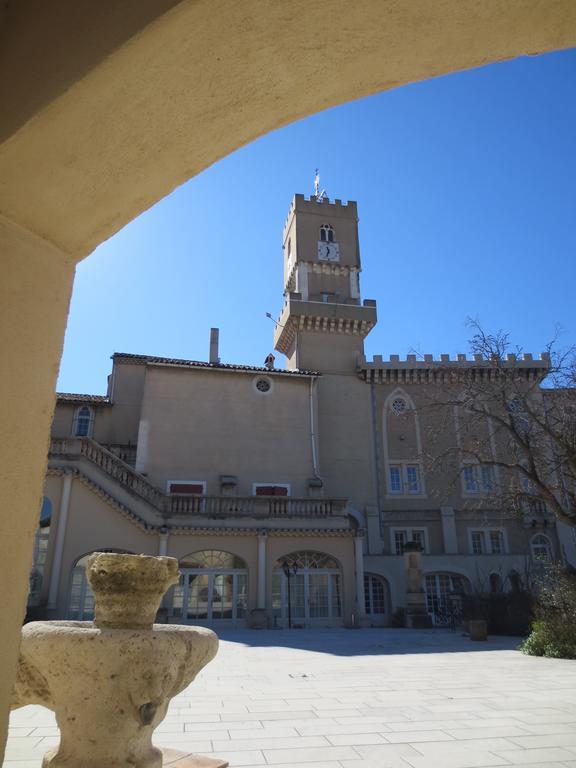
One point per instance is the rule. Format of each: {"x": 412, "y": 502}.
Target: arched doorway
{"x": 307, "y": 590}
{"x": 376, "y": 599}
{"x": 213, "y": 589}
{"x": 80, "y": 598}
{"x": 442, "y": 596}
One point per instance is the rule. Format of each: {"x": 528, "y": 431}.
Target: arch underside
{"x": 126, "y": 112}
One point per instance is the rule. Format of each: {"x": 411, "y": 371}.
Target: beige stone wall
{"x": 94, "y": 525}
{"x": 202, "y": 424}
{"x": 345, "y": 439}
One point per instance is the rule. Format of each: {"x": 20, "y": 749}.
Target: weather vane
{"x": 319, "y": 195}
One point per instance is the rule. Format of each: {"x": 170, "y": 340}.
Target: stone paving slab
{"x": 374, "y": 698}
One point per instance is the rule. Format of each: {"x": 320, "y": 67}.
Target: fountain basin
{"x": 109, "y": 684}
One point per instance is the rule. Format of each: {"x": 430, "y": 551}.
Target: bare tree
{"x": 516, "y": 424}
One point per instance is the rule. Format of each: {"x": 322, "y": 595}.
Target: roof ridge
{"x": 214, "y": 366}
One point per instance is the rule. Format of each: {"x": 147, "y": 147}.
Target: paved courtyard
{"x": 360, "y": 699}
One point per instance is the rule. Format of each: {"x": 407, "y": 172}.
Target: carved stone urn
{"x": 110, "y": 681}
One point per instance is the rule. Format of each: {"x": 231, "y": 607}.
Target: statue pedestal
{"x": 416, "y": 613}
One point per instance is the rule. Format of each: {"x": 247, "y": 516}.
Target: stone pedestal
{"x": 416, "y": 613}
{"x": 478, "y": 629}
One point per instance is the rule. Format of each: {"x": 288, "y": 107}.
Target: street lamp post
{"x": 290, "y": 570}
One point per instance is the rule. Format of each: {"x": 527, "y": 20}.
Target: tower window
{"x": 326, "y": 233}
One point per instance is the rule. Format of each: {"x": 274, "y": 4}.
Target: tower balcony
{"x": 322, "y": 317}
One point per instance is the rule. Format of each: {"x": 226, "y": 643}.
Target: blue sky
{"x": 466, "y": 195}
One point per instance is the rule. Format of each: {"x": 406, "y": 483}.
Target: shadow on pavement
{"x": 368, "y": 642}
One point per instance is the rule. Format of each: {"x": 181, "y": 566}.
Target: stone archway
{"x": 103, "y": 115}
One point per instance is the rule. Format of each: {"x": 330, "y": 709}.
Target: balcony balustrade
{"x": 178, "y": 505}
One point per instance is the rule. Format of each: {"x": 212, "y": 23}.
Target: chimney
{"x": 214, "y": 333}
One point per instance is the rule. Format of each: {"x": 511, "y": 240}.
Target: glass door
{"x": 314, "y": 598}
{"x": 210, "y": 597}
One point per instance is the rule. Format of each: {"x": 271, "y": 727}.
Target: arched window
{"x": 442, "y": 590}
{"x": 83, "y": 421}
{"x": 212, "y": 558}
{"x": 375, "y": 598}
{"x": 541, "y": 548}
{"x": 326, "y": 233}
{"x": 213, "y": 587}
{"x": 308, "y": 559}
{"x": 515, "y": 582}
{"x": 495, "y": 583}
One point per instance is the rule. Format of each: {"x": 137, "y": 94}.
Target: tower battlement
{"x": 339, "y": 208}
{"x": 424, "y": 361}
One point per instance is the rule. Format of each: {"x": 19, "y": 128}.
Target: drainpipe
{"x": 312, "y": 432}
{"x": 67, "y": 478}
{"x": 261, "y": 600}
{"x": 377, "y": 474}
{"x": 359, "y": 558}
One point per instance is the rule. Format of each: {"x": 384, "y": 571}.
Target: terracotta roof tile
{"x": 71, "y": 397}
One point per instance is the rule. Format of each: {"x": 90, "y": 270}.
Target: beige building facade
{"x": 289, "y": 496}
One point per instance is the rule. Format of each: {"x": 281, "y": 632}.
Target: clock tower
{"x": 324, "y": 322}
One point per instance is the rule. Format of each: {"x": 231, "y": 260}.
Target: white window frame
{"x": 170, "y": 483}
{"x": 404, "y": 483}
{"x": 487, "y": 540}
{"x": 409, "y": 537}
{"x": 550, "y": 558}
{"x": 77, "y": 417}
{"x": 481, "y": 488}
{"x": 276, "y": 485}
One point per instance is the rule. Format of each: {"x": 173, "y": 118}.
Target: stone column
{"x": 261, "y": 602}
{"x": 56, "y": 570}
{"x": 359, "y": 563}
{"x": 163, "y": 543}
{"x": 34, "y": 297}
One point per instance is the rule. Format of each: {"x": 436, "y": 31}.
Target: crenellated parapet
{"x": 302, "y": 204}
{"x": 425, "y": 369}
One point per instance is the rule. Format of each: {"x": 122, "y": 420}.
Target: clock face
{"x": 328, "y": 251}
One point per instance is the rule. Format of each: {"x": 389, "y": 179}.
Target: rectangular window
{"x": 413, "y": 478}
{"x": 404, "y": 478}
{"x": 496, "y": 542}
{"x": 477, "y": 542}
{"x": 399, "y": 541}
{"x": 470, "y": 481}
{"x": 186, "y": 487}
{"x": 487, "y": 474}
{"x": 402, "y": 535}
{"x": 487, "y": 542}
{"x": 420, "y": 538}
{"x": 395, "y": 480}
{"x": 261, "y": 489}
